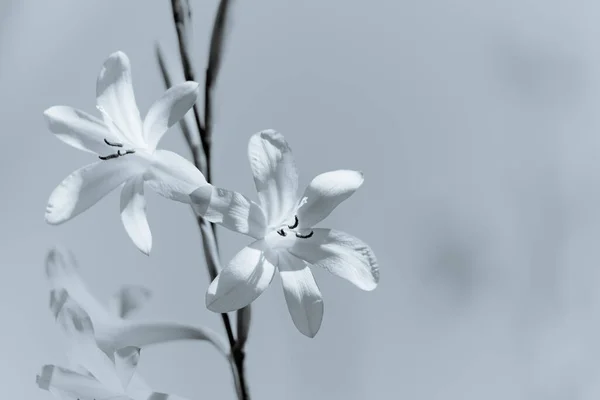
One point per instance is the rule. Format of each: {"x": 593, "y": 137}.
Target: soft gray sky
{"x": 476, "y": 124}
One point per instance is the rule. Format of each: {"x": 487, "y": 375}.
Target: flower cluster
{"x": 282, "y": 225}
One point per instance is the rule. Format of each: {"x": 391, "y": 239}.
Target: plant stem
{"x": 201, "y": 153}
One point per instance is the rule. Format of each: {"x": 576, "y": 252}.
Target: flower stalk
{"x": 200, "y": 147}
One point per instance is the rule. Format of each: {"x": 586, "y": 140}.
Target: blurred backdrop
{"x": 475, "y": 122}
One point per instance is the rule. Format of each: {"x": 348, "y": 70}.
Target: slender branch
{"x": 181, "y": 14}
{"x": 215, "y": 55}
{"x": 202, "y": 158}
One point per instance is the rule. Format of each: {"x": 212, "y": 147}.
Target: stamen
{"x": 295, "y": 223}
{"x": 304, "y": 236}
{"x": 116, "y": 155}
{"x": 281, "y": 232}
{"x": 113, "y": 144}
{"x": 108, "y": 157}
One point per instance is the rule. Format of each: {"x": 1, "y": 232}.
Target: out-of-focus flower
{"x": 282, "y": 225}
{"x": 112, "y": 330}
{"x": 93, "y": 375}
{"x": 126, "y": 146}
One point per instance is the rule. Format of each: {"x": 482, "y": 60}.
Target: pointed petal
{"x": 73, "y": 384}
{"x": 79, "y": 129}
{"x": 275, "y": 174}
{"x": 116, "y": 100}
{"x": 62, "y": 274}
{"x": 248, "y": 274}
{"x": 168, "y": 110}
{"x": 302, "y": 294}
{"x": 325, "y": 193}
{"x": 140, "y": 334}
{"x": 133, "y": 214}
{"x": 129, "y": 299}
{"x": 342, "y": 255}
{"x": 85, "y": 187}
{"x": 230, "y": 209}
{"x": 173, "y": 176}
{"x": 85, "y": 351}
{"x": 126, "y": 361}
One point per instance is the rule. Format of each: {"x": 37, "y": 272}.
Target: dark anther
{"x": 112, "y": 144}
{"x": 304, "y": 236}
{"x": 282, "y": 232}
{"x": 116, "y": 155}
{"x": 295, "y": 223}
{"x": 110, "y": 156}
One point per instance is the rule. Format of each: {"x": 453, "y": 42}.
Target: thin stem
{"x": 201, "y": 153}
{"x": 181, "y": 14}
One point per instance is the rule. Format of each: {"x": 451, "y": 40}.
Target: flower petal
{"x": 173, "y": 176}
{"x": 141, "y": 334}
{"x": 302, "y": 294}
{"x": 54, "y": 378}
{"x": 231, "y": 209}
{"x": 85, "y": 187}
{"x": 116, "y": 100}
{"x": 326, "y": 192}
{"x": 248, "y": 274}
{"x": 275, "y": 174}
{"x": 61, "y": 271}
{"x": 168, "y": 110}
{"x": 133, "y": 214}
{"x": 129, "y": 299}
{"x": 79, "y": 129}
{"x": 85, "y": 351}
{"x": 126, "y": 361}
{"x": 342, "y": 255}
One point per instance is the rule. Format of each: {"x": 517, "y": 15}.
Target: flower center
{"x": 118, "y": 154}
{"x": 282, "y": 231}
{"x": 287, "y": 235}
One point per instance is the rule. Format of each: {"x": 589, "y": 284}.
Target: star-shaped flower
{"x": 282, "y": 224}
{"x": 92, "y": 374}
{"x": 113, "y": 330}
{"x": 126, "y": 148}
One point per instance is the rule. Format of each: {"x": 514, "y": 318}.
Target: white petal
{"x": 274, "y": 173}
{"x": 248, "y": 274}
{"x": 85, "y": 351}
{"x": 129, "y": 299}
{"x": 141, "y": 334}
{"x": 325, "y": 193}
{"x": 86, "y": 186}
{"x": 126, "y": 361}
{"x": 342, "y": 255}
{"x": 173, "y": 176}
{"x": 168, "y": 110}
{"x": 115, "y": 98}
{"x": 73, "y": 384}
{"x": 231, "y": 209}
{"x": 133, "y": 214}
{"x": 61, "y": 271}
{"x": 80, "y": 129}
{"x": 302, "y": 294}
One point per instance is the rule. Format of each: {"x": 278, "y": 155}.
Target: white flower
{"x": 282, "y": 225}
{"x": 126, "y": 147}
{"x": 92, "y": 375}
{"x": 112, "y": 330}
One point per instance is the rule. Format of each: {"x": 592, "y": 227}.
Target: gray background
{"x": 475, "y": 122}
